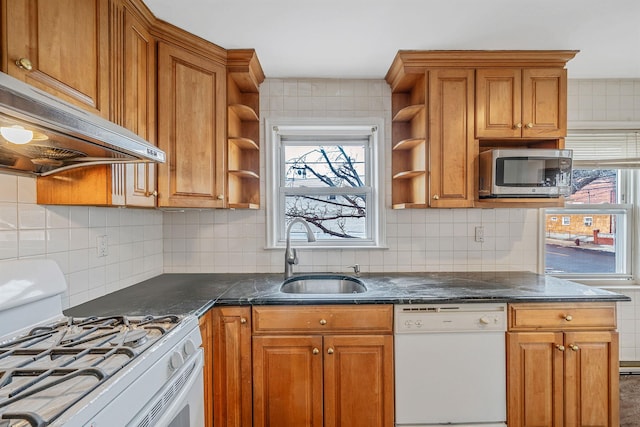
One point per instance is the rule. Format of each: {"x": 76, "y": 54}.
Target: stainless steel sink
{"x": 323, "y": 284}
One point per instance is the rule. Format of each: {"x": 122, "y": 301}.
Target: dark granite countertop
{"x": 196, "y": 293}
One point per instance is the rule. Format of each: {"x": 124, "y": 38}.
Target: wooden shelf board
{"x": 244, "y": 206}
{"x": 408, "y": 112}
{"x": 244, "y": 143}
{"x": 244, "y": 112}
{"x": 408, "y": 174}
{"x": 520, "y": 202}
{"x": 244, "y": 174}
{"x": 410, "y": 206}
{"x": 408, "y": 144}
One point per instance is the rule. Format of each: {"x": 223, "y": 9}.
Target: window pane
{"x": 324, "y": 165}
{"x": 586, "y": 243}
{"x": 330, "y": 217}
{"x": 591, "y": 186}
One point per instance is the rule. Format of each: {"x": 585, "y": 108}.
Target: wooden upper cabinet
{"x": 133, "y": 99}
{"x": 521, "y": 103}
{"x": 244, "y": 76}
{"x": 191, "y": 128}
{"x": 139, "y": 104}
{"x": 61, "y": 47}
{"x": 452, "y": 148}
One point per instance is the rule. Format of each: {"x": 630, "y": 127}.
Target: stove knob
{"x": 189, "y": 348}
{"x": 484, "y": 321}
{"x": 176, "y": 360}
{"x": 419, "y": 323}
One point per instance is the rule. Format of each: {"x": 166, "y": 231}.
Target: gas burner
{"x": 131, "y": 339}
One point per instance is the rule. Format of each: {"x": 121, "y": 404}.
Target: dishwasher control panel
{"x": 429, "y": 318}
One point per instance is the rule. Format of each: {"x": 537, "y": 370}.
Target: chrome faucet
{"x": 290, "y": 255}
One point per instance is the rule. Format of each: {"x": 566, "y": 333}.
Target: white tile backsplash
{"x": 68, "y": 236}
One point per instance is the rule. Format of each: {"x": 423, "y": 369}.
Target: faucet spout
{"x": 290, "y": 254}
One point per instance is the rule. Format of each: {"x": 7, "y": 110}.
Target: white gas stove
{"x": 98, "y": 371}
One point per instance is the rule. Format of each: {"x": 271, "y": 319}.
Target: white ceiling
{"x": 359, "y": 38}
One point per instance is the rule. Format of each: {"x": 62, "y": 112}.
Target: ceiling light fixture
{"x": 16, "y": 134}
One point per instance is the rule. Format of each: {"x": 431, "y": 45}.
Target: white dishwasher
{"x": 450, "y": 364}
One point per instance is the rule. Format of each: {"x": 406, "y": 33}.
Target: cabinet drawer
{"x": 562, "y": 316}
{"x": 320, "y": 319}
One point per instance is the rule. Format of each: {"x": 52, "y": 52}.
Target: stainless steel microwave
{"x": 525, "y": 172}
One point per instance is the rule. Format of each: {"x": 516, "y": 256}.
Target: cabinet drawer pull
{"x": 323, "y": 322}
{"x": 24, "y": 63}
{"x": 315, "y": 351}
{"x": 243, "y": 320}
{"x": 568, "y": 317}
{"x": 330, "y": 350}
{"x": 560, "y": 347}
{"x": 574, "y": 347}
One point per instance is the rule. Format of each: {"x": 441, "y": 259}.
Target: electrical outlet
{"x": 480, "y": 234}
{"x": 102, "y": 244}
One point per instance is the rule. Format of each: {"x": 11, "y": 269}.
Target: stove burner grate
{"x": 66, "y": 361}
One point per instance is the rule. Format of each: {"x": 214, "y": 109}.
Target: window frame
{"x": 628, "y": 206}
{"x": 276, "y": 129}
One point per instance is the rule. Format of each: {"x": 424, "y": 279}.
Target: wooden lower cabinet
{"x": 564, "y": 377}
{"x": 231, "y": 387}
{"x": 206, "y": 330}
{"x": 287, "y": 380}
{"x": 323, "y": 368}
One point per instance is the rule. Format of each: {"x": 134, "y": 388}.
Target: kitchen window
{"x": 596, "y": 240}
{"x": 327, "y": 173}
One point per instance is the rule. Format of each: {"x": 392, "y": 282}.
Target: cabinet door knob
{"x": 568, "y": 317}
{"x": 518, "y": 126}
{"x": 315, "y": 351}
{"x": 24, "y": 63}
{"x": 220, "y": 197}
{"x": 323, "y": 322}
{"x": 330, "y": 350}
{"x": 529, "y": 125}
{"x": 243, "y": 320}
{"x": 574, "y": 347}
{"x": 436, "y": 197}
{"x": 560, "y": 347}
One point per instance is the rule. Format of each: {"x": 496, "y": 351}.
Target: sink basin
{"x": 323, "y": 284}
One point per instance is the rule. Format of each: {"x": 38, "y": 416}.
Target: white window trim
{"x": 275, "y": 128}
{"x": 627, "y": 189}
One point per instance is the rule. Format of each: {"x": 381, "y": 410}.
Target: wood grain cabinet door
{"x": 232, "y": 403}
{"x": 498, "y": 103}
{"x": 191, "y": 128}
{"x": 287, "y": 381}
{"x": 358, "y": 381}
{"x": 592, "y": 379}
{"x": 544, "y": 103}
{"x": 451, "y": 143}
{"x": 206, "y": 331}
{"x": 61, "y": 47}
{"x": 139, "y": 102}
{"x": 535, "y": 379}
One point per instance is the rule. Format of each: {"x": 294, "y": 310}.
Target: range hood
{"x": 60, "y": 135}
